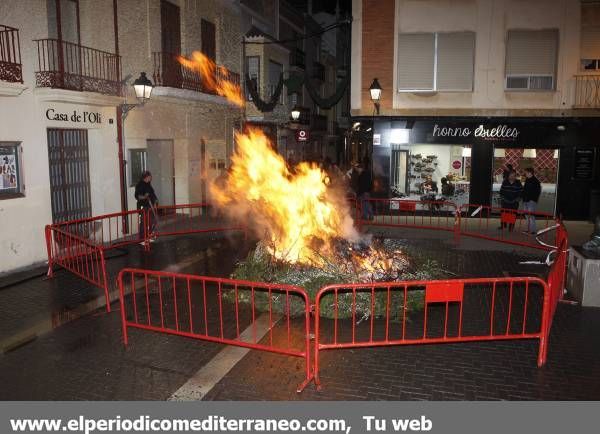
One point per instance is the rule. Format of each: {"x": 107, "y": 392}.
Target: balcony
{"x": 587, "y": 91}
{"x": 65, "y": 65}
{"x": 297, "y": 58}
{"x": 168, "y": 72}
{"x": 318, "y": 71}
{"x": 10, "y": 55}
{"x": 319, "y": 123}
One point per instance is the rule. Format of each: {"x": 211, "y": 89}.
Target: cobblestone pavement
{"x": 85, "y": 359}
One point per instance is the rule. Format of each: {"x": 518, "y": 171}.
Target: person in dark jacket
{"x": 146, "y": 199}
{"x": 531, "y": 195}
{"x": 365, "y": 184}
{"x": 510, "y": 193}
{"x": 509, "y": 168}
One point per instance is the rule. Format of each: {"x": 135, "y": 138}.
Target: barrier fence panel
{"x": 506, "y": 225}
{"x": 405, "y": 313}
{"x": 226, "y": 311}
{"x": 435, "y": 214}
{"x": 187, "y": 219}
{"x": 109, "y": 230}
{"x": 79, "y": 256}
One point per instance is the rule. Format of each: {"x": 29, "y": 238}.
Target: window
{"x": 138, "y": 164}
{"x": 436, "y": 61}
{"x": 590, "y": 37}
{"x": 208, "y": 40}
{"x": 590, "y": 64}
{"x": 275, "y": 71}
{"x": 531, "y": 59}
{"x": 253, "y": 71}
{"x": 11, "y": 178}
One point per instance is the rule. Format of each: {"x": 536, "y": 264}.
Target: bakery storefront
{"x": 411, "y": 154}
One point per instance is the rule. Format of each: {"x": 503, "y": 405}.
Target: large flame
{"x": 296, "y": 213}
{"x": 214, "y": 78}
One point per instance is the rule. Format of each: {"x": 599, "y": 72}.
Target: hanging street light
{"x": 375, "y": 91}
{"x": 143, "y": 88}
{"x": 295, "y": 113}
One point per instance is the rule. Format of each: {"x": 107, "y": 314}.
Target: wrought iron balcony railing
{"x": 587, "y": 91}
{"x": 65, "y": 65}
{"x": 169, "y": 72}
{"x": 10, "y": 55}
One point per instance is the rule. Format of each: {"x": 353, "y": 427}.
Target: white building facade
{"x": 61, "y": 94}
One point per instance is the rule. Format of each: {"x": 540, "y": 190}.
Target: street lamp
{"x": 143, "y": 89}
{"x": 296, "y": 113}
{"x": 375, "y": 91}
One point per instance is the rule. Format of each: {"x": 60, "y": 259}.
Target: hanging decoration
{"x": 264, "y": 106}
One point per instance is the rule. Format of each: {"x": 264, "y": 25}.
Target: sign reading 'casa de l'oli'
{"x": 499, "y": 132}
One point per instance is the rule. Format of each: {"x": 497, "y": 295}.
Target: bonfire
{"x": 304, "y": 225}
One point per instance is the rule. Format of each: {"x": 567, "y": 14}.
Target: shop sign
{"x": 302, "y": 135}
{"x": 76, "y": 116}
{"x": 499, "y": 132}
{"x": 584, "y": 164}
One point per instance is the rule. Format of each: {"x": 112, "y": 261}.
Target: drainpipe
{"x": 120, "y": 136}
{"x": 122, "y": 177}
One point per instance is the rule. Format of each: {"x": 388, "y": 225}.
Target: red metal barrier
{"x": 188, "y": 219}
{"x": 408, "y": 313}
{"x": 440, "y": 215}
{"x": 109, "y": 231}
{"x": 78, "y": 255}
{"x": 218, "y": 310}
{"x": 505, "y": 225}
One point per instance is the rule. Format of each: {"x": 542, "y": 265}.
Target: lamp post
{"x": 375, "y": 91}
{"x": 143, "y": 89}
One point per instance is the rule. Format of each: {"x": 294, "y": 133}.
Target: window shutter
{"x": 531, "y": 52}
{"x": 590, "y": 31}
{"x": 455, "y": 60}
{"x": 416, "y": 52}
{"x": 208, "y": 41}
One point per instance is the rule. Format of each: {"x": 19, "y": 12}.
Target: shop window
{"x": 138, "y": 164}
{"x": 543, "y": 161}
{"x": 531, "y": 57}
{"x": 11, "y": 177}
{"x": 436, "y": 61}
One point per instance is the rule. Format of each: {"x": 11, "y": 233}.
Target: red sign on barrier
{"x": 444, "y": 292}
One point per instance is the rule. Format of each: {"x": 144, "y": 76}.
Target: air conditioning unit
{"x": 529, "y": 82}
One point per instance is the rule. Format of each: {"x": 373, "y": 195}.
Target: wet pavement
{"x": 85, "y": 359}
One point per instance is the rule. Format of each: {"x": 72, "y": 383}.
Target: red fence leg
{"x": 104, "y": 278}
{"x": 122, "y": 302}
{"x": 48, "y": 231}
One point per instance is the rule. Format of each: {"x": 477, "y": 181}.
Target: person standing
{"x": 510, "y": 193}
{"x": 146, "y": 201}
{"x": 531, "y": 195}
{"x": 364, "y": 192}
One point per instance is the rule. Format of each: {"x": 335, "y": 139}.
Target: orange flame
{"x": 296, "y": 213}
{"x": 214, "y": 77}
